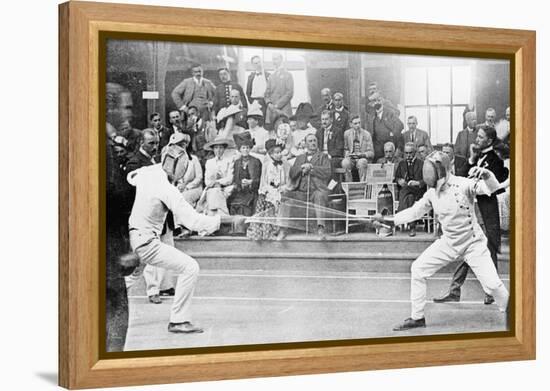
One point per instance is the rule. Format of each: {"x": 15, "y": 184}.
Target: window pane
{"x": 415, "y": 86}
{"x": 440, "y": 125}
{"x": 462, "y": 83}
{"x": 421, "y": 114}
{"x": 458, "y": 120}
{"x": 300, "y": 88}
{"x": 439, "y": 85}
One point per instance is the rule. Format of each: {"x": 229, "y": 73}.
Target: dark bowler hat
{"x": 272, "y": 143}
{"x": 244, "y": 138}
{"x": 303, "y": 112}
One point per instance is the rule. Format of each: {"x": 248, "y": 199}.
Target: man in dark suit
{"x": 331, "y": 140}
{"x": 384, "y": 125}
{"x": 163, "y": 132}
{"x": 309, "y": 175}
{"x": 459, "y": 165}
{"x": 257, "y": 83}
{"x": 467, "y": 136}
{"x": 340, "y": 115}
{"x": 327, "y": 105}
{"x": 408, "y": 177}
{"x": 417, "y": 136}
{"x": 482, "y": 155}
{"x": 147, "y": 153}
{"x": 222, "y": 96}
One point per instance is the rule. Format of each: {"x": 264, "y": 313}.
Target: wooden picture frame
{"x": 80, "y": 361}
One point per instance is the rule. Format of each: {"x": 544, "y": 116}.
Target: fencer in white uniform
{"x": 452, "y": 199}
{"x": 155, "y": 196}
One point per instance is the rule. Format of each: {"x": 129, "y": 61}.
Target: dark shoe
{"x": 155, "y": 299}
{"x": 183, "y": 234}
{"x": 410, "y": 323}
{"x": 489, "y": 299}
{"x": 321, "y": 233}
{"x": 448, "y": 298}
{"x": 281, "y": 235}
{"x": 185, "y": 328}
{"x": 168, "y": 292}
{"x": 412, "y": 231}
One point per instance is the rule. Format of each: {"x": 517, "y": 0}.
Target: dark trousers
{"x": 462, "y": 269}
{"x": 293, "y": 206}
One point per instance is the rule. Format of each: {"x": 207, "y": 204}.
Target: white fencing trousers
{"x": 440, "y": 254}
{"x": 156, "y": 278}
{"x": 156, "y": 253}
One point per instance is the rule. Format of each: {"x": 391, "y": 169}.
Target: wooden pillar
{"x": 354, "y": 69}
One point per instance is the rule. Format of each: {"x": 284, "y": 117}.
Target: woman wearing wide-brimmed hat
{"x": 246, "y": 177}
{"x": 218, "y": 178}
{"x": 255, "y": 119}
{"x": 227, "y": 123}
{"x": 273, "y": 182}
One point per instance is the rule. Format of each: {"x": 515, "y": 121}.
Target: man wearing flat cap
{"x": 247, "y": 171}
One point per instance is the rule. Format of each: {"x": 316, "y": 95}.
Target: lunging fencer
{"x": 452, "y": 199}
{"x": 155, "y": 196}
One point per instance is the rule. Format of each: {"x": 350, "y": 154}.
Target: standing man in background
{"x": 195, "y": 91}
{"x": 257, "y": 84}
{"x": 279, "y": 92}
{"x": 467, "y": 136}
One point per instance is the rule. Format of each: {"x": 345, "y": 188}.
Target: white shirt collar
{"x": 489, "y": 148}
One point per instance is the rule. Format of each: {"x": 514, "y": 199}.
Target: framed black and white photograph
{"x": 290, "y": 196}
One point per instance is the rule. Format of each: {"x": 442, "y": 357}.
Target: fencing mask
{"x": 435, "y": 169}
{"x": 175, "y": 162}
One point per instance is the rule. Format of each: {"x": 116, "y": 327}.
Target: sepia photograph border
{"x": 84, "y": 28}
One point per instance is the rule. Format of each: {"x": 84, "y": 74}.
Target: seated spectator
{"x": 331, "y": 140}
{"x": 422, "y": 151}
{"x": 132, "y": 135}
{"x": 389, "y": 155}
{"x": 119, "y": 150}
{"x": 300, "y": 128}
{"x": 218, "y": 179}
{"x": 190, "y": 185}
{"x": 459, "y": 165}
{"x": 247, "y": 171}
{"x": 408, "y": 177}
{"x": 164, "y": 133}
{"x": 309, "y": 176}
{"x": 147, "y": 152}
{"x": 326, "y": 105}
{"x": 417, "y": 136}
{"x": 358, "y": 150}
{"x": 274, "y": 181}
{"x": 503, "y": 127}
{"x": 255, "y": 127}
{"x": 340, "y": 113}
{"x": 227, "y": 127}
{"x": 284, "y": 137}
{"x": 374, "y": 97}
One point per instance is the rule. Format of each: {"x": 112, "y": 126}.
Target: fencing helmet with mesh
{"x": 437, "y": 166}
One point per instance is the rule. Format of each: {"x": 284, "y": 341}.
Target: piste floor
{"x": 239, "y": 307}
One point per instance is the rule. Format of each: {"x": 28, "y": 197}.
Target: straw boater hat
{"x": 255, "y": 110}
{"x": 226, "y": 112}
{"x": 218, "y": 141}
{"x": 244, "y": 138}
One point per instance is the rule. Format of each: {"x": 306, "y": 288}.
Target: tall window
{"x": 437, "y": 96}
